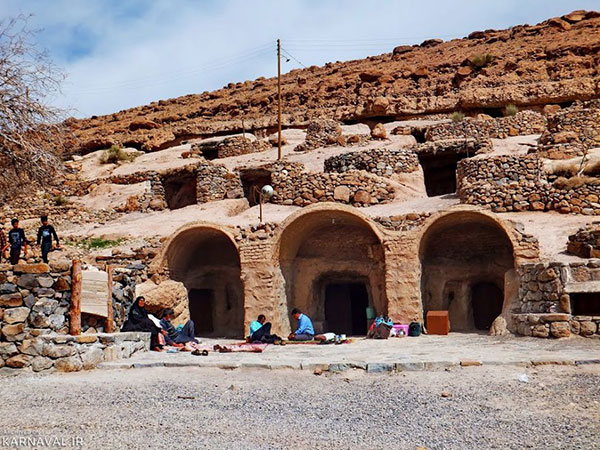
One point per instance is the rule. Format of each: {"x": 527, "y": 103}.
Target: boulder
{"x": 19, "y": 361}
{"x": 362, "y": 197}
{"x": 560, "y": 329}
{"x": 27, "y": 281}
{"x": 13, "y": 315}
{"x": 92, "y": 357}
{"x": 32, "y": 268}
{"x": 498, "y": 327}
{"x": 168, "y": 294}
{"x": 7, "y": 349}
{"x": 341, "y": 194}
{"x": 587, "y": 328}
{"x": 378, "y": 132}
{"x": 70, "y": 364}
{"x": 40, "y": 363}
{"x": 11, "y": 300}
{"x": 58, "y": 351}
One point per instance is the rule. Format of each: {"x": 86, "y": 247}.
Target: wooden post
{"x": 110, "y": 322}
{"x": 76, "y": 286}
{"x": 278, "y": 99}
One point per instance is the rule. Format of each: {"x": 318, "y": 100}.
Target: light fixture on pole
{"x": 265, "y": 193}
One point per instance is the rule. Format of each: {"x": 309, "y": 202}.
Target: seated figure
{"x": 305, "y": 330}
{"x": 174, "y": 336}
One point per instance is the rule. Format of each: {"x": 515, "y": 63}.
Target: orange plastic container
{"x": 437, "y": 322}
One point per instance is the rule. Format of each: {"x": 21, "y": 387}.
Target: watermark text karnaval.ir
{"x": 41, "y": 441}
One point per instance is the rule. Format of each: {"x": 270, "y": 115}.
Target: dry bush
{"x": 592, "y": 168}
{"x": 482, "y": 60}
{"x": 575, "y": 182}
{"x": 511, "y": 110}
{"x": 566, "y": 169}
{"x": 457, "y": 116}
{"x": 30, "y": 137}
{"x": 114, "y": 155}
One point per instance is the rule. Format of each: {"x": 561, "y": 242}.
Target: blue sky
{"x": 123, "y": 53}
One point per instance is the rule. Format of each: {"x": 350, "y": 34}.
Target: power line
{"x": 148, "y": 81}
{"x": 292, "y": 56}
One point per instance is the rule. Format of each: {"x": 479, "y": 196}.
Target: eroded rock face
{"x": 556, "y": 67}
{"x": 168, "y": 294}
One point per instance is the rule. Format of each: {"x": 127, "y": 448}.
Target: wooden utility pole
{"x": 109, "y": 326}
{"x": 75, "y": 312}
{"x": 279, "y": 98}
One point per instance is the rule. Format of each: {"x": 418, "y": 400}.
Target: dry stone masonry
{"x": 571, "y": 131}
{"x": 381, "y": 162}
{"x": 35, "y": 303}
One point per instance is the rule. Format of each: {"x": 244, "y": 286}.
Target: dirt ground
{"x": 501, "y": 407}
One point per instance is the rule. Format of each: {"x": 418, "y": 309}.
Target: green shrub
{"x": 457, "y": 116}
{"x": 511, "y": 110}
{"x": 97, "y": 243}
{"x": 115, "y": 154}
{"x": 481, "y": 61}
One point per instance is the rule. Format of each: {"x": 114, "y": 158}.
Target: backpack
{"x": 414, "y": 329}
{"x": 15, "y": 239}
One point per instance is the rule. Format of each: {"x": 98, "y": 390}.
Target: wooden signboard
{"x": 94, "y": 293}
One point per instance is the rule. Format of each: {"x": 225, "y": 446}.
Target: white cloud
{"x": 120, "y": 54}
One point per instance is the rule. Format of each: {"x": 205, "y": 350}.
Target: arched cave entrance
{"x": 333, "y": 265}
{"x": 207, "y": 262}
{"x": 464, "y": 259}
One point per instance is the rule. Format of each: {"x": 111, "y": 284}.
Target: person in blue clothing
{"x": 305, "y": 330}
{"x": 260, "y": 331}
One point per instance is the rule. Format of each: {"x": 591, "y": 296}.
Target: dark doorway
{"x": 585, "y": 304}
{"x": 201, "y": 310}
{"x": 180, "y": 190}
{"x": 486, "y": 300}
{"x": 346, "y": 308}
{"x": 252, "y": 182}
{"x": 440, "y": 172}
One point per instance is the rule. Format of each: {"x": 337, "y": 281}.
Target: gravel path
{"x": 487, "y": 407}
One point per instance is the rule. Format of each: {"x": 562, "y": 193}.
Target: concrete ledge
{"x": 372, "y": 367}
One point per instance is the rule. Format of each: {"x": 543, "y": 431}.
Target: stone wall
{"x": 381, "y": 162}
{"x": 571, "y": 130}
{"x": 216, "y": 182}
{"x": 543, "y": 307}
{"x": 519, "y": 183}
{"x": 522, "y": 123}
{"x": 294, "y": 187}
{"x": 586, "y": 242}
{"x": 35, "y": 302}
{"x": 232, "y": 146}
{"x": 321, "y": 133}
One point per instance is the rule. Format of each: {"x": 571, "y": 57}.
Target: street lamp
{"x": 265, "y": 193}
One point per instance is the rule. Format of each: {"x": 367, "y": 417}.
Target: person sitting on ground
{"x": 16, "y": 240}
{"x": 174, "y": 336}
{"x": 260, "y": 331}
{"x": 305, "y": 330}
{"x": 3, "y": 243}
{"x": 138, "y": 320}
{"x": 44, "y": 237}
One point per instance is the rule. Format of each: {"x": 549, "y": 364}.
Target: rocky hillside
{"x": 556, "y": 61}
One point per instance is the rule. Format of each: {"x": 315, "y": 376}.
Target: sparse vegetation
{"x": 511, "y": 110}
{"x": 59, "y": 200}
{"x": 115, "y": 154}
{"x": 575, "y": 182}
{"x": 99, "y": 243}
{"x": 457, "y": 116}
{"x": 482, "y": 60}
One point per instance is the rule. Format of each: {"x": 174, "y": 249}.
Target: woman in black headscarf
{"x": 138, "y": 320}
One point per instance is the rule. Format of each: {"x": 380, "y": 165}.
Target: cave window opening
{"x": 585, "y": 304}
{"x": 252, "y": 182}
{"x": 440, "y": 172}
{"x": 180, "y": 190}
